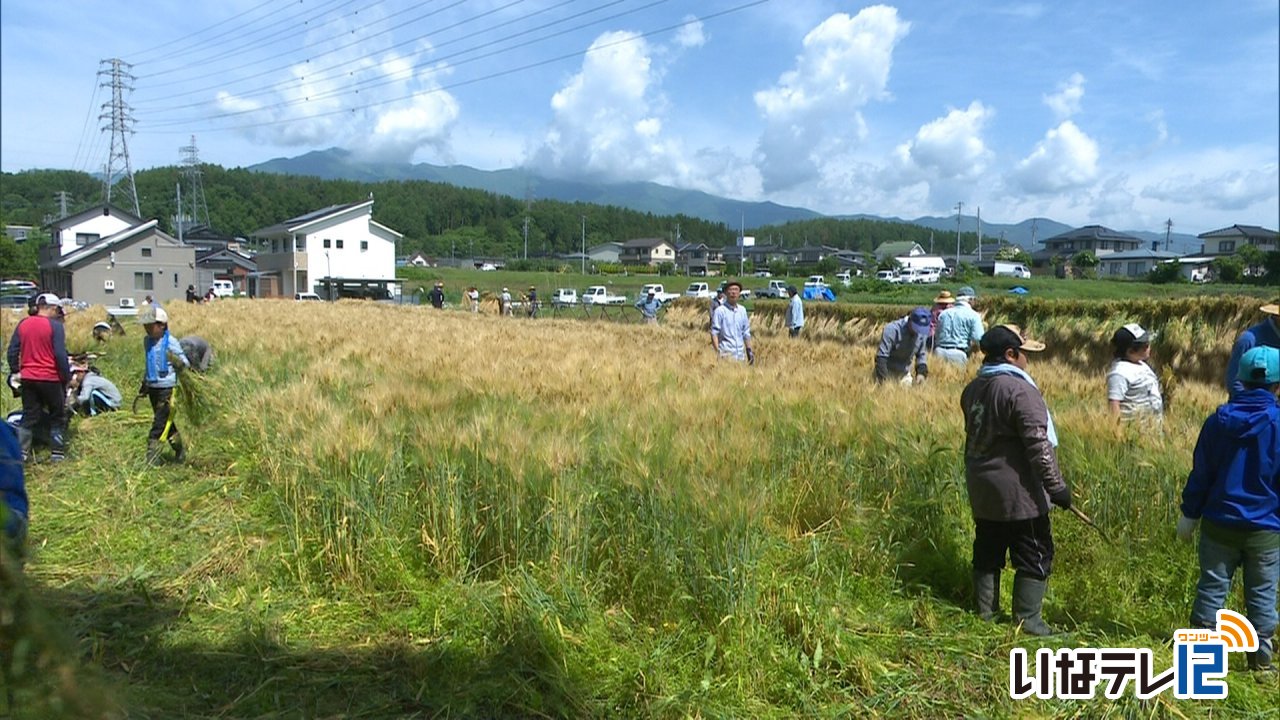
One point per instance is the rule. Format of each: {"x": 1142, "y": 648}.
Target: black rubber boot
{"x": 1028, "y": 597}
{"x": 1263, "y": 659}
{"x": 986, "y": 591}
{"x": 179, "y": 450}
{"x": 24, "y": 440}
{"x": 153, "y": 452}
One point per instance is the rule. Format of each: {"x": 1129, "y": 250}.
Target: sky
{"x": 1125, "y": 114}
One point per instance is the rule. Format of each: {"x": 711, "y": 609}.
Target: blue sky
{"x": 1123, "y": 114}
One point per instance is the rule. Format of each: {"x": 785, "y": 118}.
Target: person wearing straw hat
{"x": 904, "y": 343}
{"x": 1265, "y": 333}
{"x": 1012, "y": 477}
{"x": 436, "y": 296}
{"x": 959, "y": 329}
{"x": 942, "y": 302}
{"x": 159, "y": 380}
{"x": 38, "y": 354}
{"x": 1234, "y": 487}
{"x": 1133, "y": 390}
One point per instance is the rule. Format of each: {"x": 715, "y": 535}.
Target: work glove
{"x": 751, "y": 356}
{"x": 1062, "y": 498}
{"x": 882, "y": 369}
{"x": 922, "y": 372}
{"x": 1187, "y": 528}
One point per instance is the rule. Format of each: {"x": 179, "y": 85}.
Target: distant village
{"x": 108, "y": 256}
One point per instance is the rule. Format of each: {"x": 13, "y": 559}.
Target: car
{"x": 763, "y": 273}
{"x": 488, "y": 267}
{"x": 564, "y": 296}
{"x": 223, "y": 288}
{"x": 14, "y": 300}
{"x": 889, "y": 276}
{"x": 306, "y": 296}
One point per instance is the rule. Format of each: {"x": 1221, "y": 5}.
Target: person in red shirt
{"x": 38, "y": 353}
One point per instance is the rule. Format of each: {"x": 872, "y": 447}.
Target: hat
{"x": 1000, "y": 337}
{"x": 920, "y": 319}
{"x": 47, "y": 299}
{"x": 944, "y": 298}
{"x": 1272, "y": 309}
{"x": 1129, "y": 336}
{"x": 505, "y": 290}
{"x": 966, "y": 291}
{"x": 791, "y": 289}
{"x": 439, "y": 284}
{"x": 1260, "y": 366}
{"x": 101, "y": 326}
{"x": 533, "y": 287}
{"x": 152, "y": 314}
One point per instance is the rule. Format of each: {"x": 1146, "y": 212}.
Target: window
{"x": 338, "y": 243}
{"x": 364, "y": 245}
{"x": 1136, "y": 268}
{"x": 1226, "y": 246}
{"x": 86, "y": 238}
{"x": 326, "y": 243}
{"x": 143, "y": 281}
{"x": 300, "y": 243}
{"x": 275, "y": 246}
{"x": 146, "y": 252}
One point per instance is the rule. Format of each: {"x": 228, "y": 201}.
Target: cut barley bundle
{"x": 195, "y": 397}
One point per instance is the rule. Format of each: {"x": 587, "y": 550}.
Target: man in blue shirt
{"x": 1234, "y": 486}
{"x": 649, "y": 307}
{"x": 1265, "y": 333}
{"x": 731, "y": 328}
{"x": 903, "y": 342}
{"x": 795, "y": 312}
{"x": 959, "y": 330}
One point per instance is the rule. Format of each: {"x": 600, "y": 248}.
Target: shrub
{"x": 1164, "y": 273}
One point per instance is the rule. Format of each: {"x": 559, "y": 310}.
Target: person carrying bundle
{"x": 160, "y": 378}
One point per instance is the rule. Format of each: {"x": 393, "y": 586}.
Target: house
{"x": 18, "y": 233}
{"x": 1096, "y": 238}
{"x": 609, "y": 252}
{"x": 1132, "y": 263}
{"x": 1229, "y": 240}
{"x": 647, "y": 251}
{"x": 88, "y": 226}
{"x": 205, "y": 239}
{"x": 758, "y": 255}
{"x": 224, "y": 264}
{"x": 337, "y": 251}
{"x": 138, "y": 261}
{"x": 810, "y": 254}
{"x": 418, "y": 260}
{"x": 699, "y": 259}
{"x": 905, "y": 248}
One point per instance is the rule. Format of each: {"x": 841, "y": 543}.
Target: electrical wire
{"x": 84, "y": 130}
{"x": 197, "y": 33}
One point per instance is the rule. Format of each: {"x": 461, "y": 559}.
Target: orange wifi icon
{"x": 1236, "y": 632}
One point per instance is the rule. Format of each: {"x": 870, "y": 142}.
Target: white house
{"x": 1132, "y": 263}
{"x": 338, "y": 251}
{"x": 89, "y": 226}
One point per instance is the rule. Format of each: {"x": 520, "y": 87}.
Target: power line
{"x": 85, "y": 132}
{"x": 400, "y": 75}
{"x": 197, "y": 33}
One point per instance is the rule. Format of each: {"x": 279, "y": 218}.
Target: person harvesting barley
{"x": 1234, "y": 486}
{"x": 160, "y": 377}
{"x": 1133, "y": 390}
{"x": 1265, "y": 333}
{"x": 902, "y": 342}
{"x": 959, "y": 329}
{"x": 1012, "y": 477}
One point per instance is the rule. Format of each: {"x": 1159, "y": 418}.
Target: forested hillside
{"x": 435, "y": 218}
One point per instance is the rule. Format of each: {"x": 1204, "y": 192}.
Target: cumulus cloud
{"x": 1066, "y": 159}
{"x": 385, "y": 106}
{"x": 691, "y": 35}
{"x": 1066, "y": 102}
{"x": 1232, "y": 190}
{"x": 950, "y": 146}
{"x": 843, "y": 65}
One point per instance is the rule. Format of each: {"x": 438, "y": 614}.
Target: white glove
{"x": 1186, "y": 528}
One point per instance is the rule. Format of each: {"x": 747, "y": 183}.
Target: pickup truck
{"x": 777, "y": 289}
{"x": 600, "y": 295}
{"x": 699, "y": 290}
{"x": 564, "y": 296}
{"x": 819, "y": 281}
{"x": 744, "y": 294}
{"x": 889, "y": 276}
{"x": 658, "y": 292}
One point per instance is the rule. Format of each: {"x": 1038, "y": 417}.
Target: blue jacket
{"x": 13, "y": 489}
{"x": 1264, "y": 333}
{"x": 1235, "y": 471}
{"x": 160, "y": 372}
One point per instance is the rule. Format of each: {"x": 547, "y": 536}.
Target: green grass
{"x": 488, "y": 518}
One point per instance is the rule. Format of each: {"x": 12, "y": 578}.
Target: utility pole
{"x": 526, "y": 237}
{"x": 742, "y": 243}
{"x": 584, "y": 244}
{"x": 959, "y": 210}
{"x": 1168, "y": 231}
{"x": 180, "y": 223}
{"x": 63, "y": 196}
{"x": 979, "y": 233}
{"x": 120, "y": 124}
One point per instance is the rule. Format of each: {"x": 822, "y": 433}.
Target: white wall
{"x": 378, "y": 262}
{"x": 102, "y": 225}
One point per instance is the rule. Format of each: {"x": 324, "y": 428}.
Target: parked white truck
{"x": 600, "y": 295}
{"x": 658, "y": 292}
{"x": 776, "y": 289}
{"x": 699, "y": 290}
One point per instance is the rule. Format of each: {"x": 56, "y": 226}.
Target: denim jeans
{"x": 1222, "y": 550}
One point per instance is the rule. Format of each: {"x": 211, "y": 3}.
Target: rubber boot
{"x": 153, "y": 452}
{"x": 986, "y": 591}
{"x": 24, "y": 440}
{"x": 179, "y": 450}
{"x": 1028, "y": 597}
{"x": 1263, "y": 659}
{"x": 58, "y": 445}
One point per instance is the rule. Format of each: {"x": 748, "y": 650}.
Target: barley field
{"x": 402, "y": 512}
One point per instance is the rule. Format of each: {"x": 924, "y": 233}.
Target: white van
{"x": 223, "y": 288}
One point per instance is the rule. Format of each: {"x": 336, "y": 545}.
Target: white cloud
{"x": 1066, "y": 102}
{"x": 691, "y": 35}
{"x": 950, "y": 146}
{"x": 1065, "y": 159}
{"x": 843, "y": 65}
{"x": 1231, "y": 190}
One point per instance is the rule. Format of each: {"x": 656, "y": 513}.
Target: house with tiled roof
{"x": 647, "y": 251}
{"x": 129, "y": 265}
{"x": 1229, "y": 240}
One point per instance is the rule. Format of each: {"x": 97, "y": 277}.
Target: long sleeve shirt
{"x": 731, "y": 326}
{"x": 795, "y": 313}
{"x": 160, "y": 373}
{"x": 902, "y": 347}
{"x": 959, "y": 328}
{"x": 1264, "y": 333}
{"x": 38, "y": 350}
{"x": 95, "y": 382}
{"x": 1235, "y": 468}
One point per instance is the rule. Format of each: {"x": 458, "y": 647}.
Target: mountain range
{"x": 340, "y": 164}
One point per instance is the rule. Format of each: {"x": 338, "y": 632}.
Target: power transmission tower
{"x": 198, "y": 214}
{"x": 63, "y": 196}
{"x": 119, "y": 119}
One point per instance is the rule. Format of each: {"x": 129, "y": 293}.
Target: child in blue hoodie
{"x": 1234, "y": 486}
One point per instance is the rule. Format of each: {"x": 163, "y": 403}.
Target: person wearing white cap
{"x": 159, "y": 380}
{"x": 1133, "y": 390}
{"x": 1265, "y": 333}
{"x": 504, "y": 302}
{"x": 38, "y": 354}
